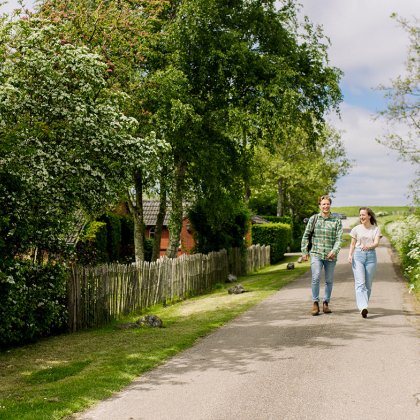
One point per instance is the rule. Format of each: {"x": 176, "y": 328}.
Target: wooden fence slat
{"x": 97, "y": 295}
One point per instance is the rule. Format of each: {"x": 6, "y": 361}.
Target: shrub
{"x": 92, "y": 246}
{"x": 33, "y": 301}
{"x": 127, "y": 239}
{"x": 297, "y": 229}
{"x": 113, "y": 235}
{"x": 226, "y": 231}
{"x": 405, "y": 236}
{"x": 277, "y": 235}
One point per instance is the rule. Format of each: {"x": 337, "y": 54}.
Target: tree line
{"x": 216, "y": 107}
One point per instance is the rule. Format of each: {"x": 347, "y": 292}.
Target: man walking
{"x": 326, "y": 242}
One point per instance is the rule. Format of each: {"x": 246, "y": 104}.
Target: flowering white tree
{"x": 64, "y": 141}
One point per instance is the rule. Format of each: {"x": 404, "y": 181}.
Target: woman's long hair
{"x": 371, "y": 214}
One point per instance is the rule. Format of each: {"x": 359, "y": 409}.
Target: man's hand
{"x": 331, "y": 256}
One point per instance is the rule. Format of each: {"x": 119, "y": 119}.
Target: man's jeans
{"x": 316, "y": 268}
{"x": 364, "y": 268}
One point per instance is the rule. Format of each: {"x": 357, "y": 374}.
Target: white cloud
{"x": 371, "y": 49}
{"x": 367, "y": 44}
{"x": 378, "y": 177}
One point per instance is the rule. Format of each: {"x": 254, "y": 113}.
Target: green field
{"x": 385, "y": 210}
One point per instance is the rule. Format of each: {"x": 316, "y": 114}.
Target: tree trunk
{"x": 280, "y": 197}
{"x": 175, "y": 223}
{"x": 160, "y": 218}
{"x": 136, "y": 210}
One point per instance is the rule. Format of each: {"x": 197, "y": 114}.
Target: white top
{"x": 364, "y": 236}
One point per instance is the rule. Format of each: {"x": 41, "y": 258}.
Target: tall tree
{"x": 64, "y": 140}
{"x": 297, "y": 174}
{"x": 250, "y": 72}
{"x": 128, "y": 35}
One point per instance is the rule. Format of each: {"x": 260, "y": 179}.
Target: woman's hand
{"x": 350, "y": 259}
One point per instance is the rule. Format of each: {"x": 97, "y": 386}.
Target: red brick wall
{"x": 187, "y": 240}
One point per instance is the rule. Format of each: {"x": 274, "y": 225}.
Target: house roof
{"x": 150, "y": 213}
{"x": 258, "y": 220}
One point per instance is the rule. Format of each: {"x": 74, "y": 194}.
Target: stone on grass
{"x": 236, "y": 289}
{"x": 150, "y": 321}
{"x": 290, "y": 266}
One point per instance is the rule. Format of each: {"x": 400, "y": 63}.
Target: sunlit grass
{"x": 59, "y": 376}
{"x": 353, "y": 211}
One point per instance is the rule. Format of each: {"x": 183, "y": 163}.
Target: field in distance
{"x": 379, "y": 210}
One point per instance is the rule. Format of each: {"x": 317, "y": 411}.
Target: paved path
{"x": 277, "y": 361}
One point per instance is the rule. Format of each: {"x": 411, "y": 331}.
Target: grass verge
{"x": 63, "y": 375}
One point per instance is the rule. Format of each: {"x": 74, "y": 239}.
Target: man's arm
{"x": 305, "y": 239}
{"x": 338, "y": 237}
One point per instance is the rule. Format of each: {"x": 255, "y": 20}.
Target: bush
{"x": 109, "y": 239}
{"x": 279, "y": 219}
{"x": 92, "y": 246}
{"x": 127, "y": 239}
{"x": 228, "y": 231}
{"x": 113, "y": 234}
{"x": 148, "y": 249}
{"x": 33, "y": 302}
{"x": 277, "y": 235}
{"x": 405, "y": 237}
{"x": 297, "y": 229}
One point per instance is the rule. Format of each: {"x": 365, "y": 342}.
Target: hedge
{"x": 297, "y": 229}
{"x": 277, "y": 235}
{"x": 34, "y": 301}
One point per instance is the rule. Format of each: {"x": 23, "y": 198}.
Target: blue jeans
{"x": 364, "y": 268}
{"x": 316, "y": 267}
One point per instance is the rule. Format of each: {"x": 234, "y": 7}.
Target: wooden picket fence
{"x": 100, "y": 294}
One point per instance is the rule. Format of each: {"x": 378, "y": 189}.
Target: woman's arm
{"x": 376, "y": 241}
{"x": 351, "y": 252}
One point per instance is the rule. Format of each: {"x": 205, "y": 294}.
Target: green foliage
{"x": 148, "y": 249}
{"x": 297, "y": 171}
{"x": 93, "y": 244}
{"x": 64, "y": 140}
{"x": 127, "y": 239}
{"x": 109, "y": 239}
{"x": 113, "y": 230}
{"x": 34, "y": 301}
{"x": 263, "y": 202}
{"x": 277, "y": 235}
{"x": 279, "y": 219}
{"x": 218, "y": 230}
{"x": 405, "y": 236}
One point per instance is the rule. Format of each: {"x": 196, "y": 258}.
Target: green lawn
{"x": 354, "y": 210}
{"x": 59, "y": 376}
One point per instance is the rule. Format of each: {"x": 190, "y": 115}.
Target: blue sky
{"x": 371, "y": 49}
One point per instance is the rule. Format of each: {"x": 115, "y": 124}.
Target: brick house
{"x": 150, "y": 213}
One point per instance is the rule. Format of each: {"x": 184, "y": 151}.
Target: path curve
{"x": 276, "y": 361}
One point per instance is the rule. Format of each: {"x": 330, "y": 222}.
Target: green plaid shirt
{"x": 326, "y": 238}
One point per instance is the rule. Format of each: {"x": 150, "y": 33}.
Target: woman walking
{"x": 362, "y": 256}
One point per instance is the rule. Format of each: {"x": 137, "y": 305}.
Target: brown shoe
{"x": 364, "y": 313}
{"x": 315, "y": 309}
{"x": 325, "y": 308}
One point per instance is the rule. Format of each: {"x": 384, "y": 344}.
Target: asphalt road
{"x": 277, "y": 361}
